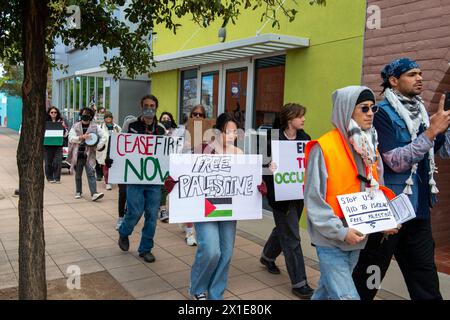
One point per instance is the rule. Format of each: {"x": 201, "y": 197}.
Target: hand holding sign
{"x": 354, "y": 236}
{"x": 169, "y": 184}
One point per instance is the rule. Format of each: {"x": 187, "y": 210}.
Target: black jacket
{"x": 268, "y": 179}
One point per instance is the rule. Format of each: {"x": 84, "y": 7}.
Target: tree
{"x": 29, "y": 30}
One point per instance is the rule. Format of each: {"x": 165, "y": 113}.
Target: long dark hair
{"x": 58, "y": 114}
{"x": 173, "y": 124}
{"x": 223, "y": 119}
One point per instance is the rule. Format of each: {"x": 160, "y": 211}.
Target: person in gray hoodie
{"x": 353, "y": 144}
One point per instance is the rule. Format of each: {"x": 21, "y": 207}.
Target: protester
{"x": 142, "y": 198}
{"x": 285, "y": 237}
{"x": 53, "y": 155}
{"x": 108, "y": 126}
{"x": 409, "y": 138}
{"x": 341, "y": 162}
{"x": 82, "y": 154}
{"x": 209, "y": 273}
{"x": 99, "y": 119}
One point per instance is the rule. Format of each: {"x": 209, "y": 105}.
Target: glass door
{"x": 236, "y": 93}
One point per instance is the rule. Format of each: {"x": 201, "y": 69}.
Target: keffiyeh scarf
{"x": 413, "y": 112}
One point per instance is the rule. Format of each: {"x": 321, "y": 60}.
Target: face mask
{"x": 167, "y": 124}
{"x": 148, "y": 113}
{"x": 86, "y": 117}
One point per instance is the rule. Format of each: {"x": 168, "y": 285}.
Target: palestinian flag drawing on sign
{"x": 54, "y": 134}
{"x": 218, "y": 207}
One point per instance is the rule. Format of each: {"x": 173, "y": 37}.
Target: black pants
{"x": 285, "y": 237}
{"x": 413, "y": 248}
{"x": 98, "y": 171}
{"x": 122, "y": 199}
{"x": 53, "y": 161}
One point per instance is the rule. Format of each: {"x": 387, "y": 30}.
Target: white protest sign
{"x": 141, "y": 158}
{"x": 402, "y": 208}
{"x": 289, "y": 178}
{"x": 215, "y": 187}
{"x": 367, "y": 213}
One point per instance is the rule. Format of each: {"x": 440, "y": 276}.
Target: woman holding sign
{"x": 285, "y": 237}
{"x": 209, "y": 273}
{"x": 343, "y": 161}
{"x": 55, "y": 132}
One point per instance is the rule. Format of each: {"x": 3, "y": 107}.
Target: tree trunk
{"x": 32, "y": 281}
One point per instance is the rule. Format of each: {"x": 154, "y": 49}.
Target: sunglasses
{"x": 365, "y": 108}
{"x": 53, "y": 112}
{"x": 197, "y": 114}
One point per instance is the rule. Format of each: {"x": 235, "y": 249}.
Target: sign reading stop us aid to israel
{"x": 141, "y": 158}
{"x": 215, "y": 187}
{"x": 289, "y": 178}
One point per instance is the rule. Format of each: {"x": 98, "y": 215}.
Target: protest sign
{"x": 402, "y": 208}
{"x": 215, "y": 187}
{"x": 199, "y": 130}
{"x": 141, "y": 158}
{"x": 54, "y": 134}
{"x": 289, "y": 178}
{"x": 367, "y": 212}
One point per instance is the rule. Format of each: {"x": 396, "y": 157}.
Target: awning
{"x": 217, "y": 53}
{"x": 221, "y": 52}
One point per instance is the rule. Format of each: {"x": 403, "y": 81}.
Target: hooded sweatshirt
{"x": 324, "y": 227}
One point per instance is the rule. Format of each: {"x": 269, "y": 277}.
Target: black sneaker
{"x": 304, "y": 292}
{"x": 148, "y": 256}
{"x": 124, "y": 243}
{"x": 270, "y": 265}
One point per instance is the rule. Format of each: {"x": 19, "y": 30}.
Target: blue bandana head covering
{"x": 396, "y": 68}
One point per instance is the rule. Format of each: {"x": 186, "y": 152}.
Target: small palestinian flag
{"x": 54, "y": 134}
{"x": 218, "y": 207}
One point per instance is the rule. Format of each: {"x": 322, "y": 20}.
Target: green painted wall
{"x": 313, "y": 74}
{"x": 165, "y": 88}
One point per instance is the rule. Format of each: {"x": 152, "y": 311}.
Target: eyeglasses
{"x": 198, "y": 114}
{"x": 365, "y": 108}
{"x": 53, "y": 112}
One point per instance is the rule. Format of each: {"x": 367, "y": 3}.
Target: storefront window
{"x": 188, "y": 92}
{"x": 210, "y": 93}
{"x": 269, "y": 90}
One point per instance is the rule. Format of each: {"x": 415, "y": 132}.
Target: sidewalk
{"x": 81, "y": 232}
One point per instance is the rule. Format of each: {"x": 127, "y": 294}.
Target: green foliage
{"x": 11, "y": 80}
{"x": 126, "y": 30}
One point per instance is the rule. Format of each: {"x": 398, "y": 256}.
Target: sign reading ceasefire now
{"x": 141, "y": 158}
{"x": 289, "y": 178}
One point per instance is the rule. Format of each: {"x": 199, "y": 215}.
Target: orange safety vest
{"x": 341, "y": 169}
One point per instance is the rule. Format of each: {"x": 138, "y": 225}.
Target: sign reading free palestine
{"x": 215, "y": 187}
{"x": 141, "y": 158}
{"x": 289, "y": 178}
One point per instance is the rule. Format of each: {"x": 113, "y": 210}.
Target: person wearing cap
{"x": 142, "y": 198}
{"x": 342, "y": 161}
{"x": 409, "y": 139}
{"x": 109, "y": 127}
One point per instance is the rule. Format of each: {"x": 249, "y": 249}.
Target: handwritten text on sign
{"x": 141, "y": 158}
{"x": 289, "y": 178}
{"x": 215, "y": 187}
{"x": 367, "y": 213}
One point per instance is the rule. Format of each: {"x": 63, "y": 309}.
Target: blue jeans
{"x": 142, "y": 199}
{"x": 336, "y": 267}
{"x": 209, "y": 272}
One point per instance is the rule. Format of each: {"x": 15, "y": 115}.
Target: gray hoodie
{"x": 324, "y": 227}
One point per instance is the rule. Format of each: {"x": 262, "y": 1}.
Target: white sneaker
{"x": 119, "y": 222}
{"x": 200, "y": 296}
{"x": 78, "y": 195}
{"x": 97, "y": 196}
{"x": 190, "y": 239}
{"x": 108, "y": 186}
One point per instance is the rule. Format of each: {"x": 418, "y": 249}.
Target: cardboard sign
{"x": 289, "y": 178}
{"x": 197, "y": 129}
{"x": 141, "y": 158}
{"x": 402, "y": 208}
{"x": 367, "y": 213}
{"x": 215, "y": 187}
